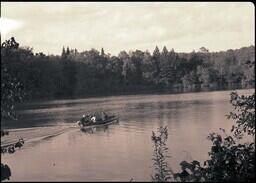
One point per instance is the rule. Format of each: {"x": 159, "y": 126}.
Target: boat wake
{"x": 35, "y": 134}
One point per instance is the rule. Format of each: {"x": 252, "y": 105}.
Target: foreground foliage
{"x": 230, "y": 159}
{"x": 11, "y": 88}
{"x": 162, "y": 171}
{"x": 12, "y": 93}
{"x": 10, "y": 148}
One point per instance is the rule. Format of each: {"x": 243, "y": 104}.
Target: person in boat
{"x": 104, "y": 116}
{"x": 84, "y": 120}
{"x": 93, "y": 119}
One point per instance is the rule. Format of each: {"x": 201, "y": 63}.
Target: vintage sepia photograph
{"x": 127, "y": 91}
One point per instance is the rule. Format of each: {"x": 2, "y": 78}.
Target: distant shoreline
{"x": 141, "y": 92}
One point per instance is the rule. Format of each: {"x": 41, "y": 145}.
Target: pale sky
{"x": 48, "y": 26}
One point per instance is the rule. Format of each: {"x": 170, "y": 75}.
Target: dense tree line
{"x": 94, "y": 72}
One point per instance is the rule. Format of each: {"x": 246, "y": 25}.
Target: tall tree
{"x": 156, "y": 64}
{"x": 102, "y": 53}
{"x": 63, "y": 53}
{"x": 11, "y": 88}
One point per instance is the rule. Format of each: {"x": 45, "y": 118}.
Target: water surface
{"x": 55, "y": 150}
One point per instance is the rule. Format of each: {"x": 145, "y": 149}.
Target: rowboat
{"x": 109, "y": 120}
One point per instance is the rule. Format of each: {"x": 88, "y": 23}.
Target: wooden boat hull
{"x": 106, "y": 122}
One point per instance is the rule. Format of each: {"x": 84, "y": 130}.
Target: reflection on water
{"x": 116, "y": 152}
{"x": 95, "y": 129}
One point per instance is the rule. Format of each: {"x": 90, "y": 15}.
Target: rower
{"x": 84, "y": 120}
{"x": 93, "y": 119}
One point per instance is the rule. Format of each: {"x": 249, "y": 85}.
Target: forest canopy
{"x": 93, "y": 72}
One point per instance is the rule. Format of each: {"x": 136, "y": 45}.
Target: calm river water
{"x": 55, "y": 150}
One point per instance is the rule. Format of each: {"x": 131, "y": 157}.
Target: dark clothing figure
{"x": 85, "y": 119}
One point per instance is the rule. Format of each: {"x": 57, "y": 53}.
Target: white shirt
{"x": 93, "y": 119}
